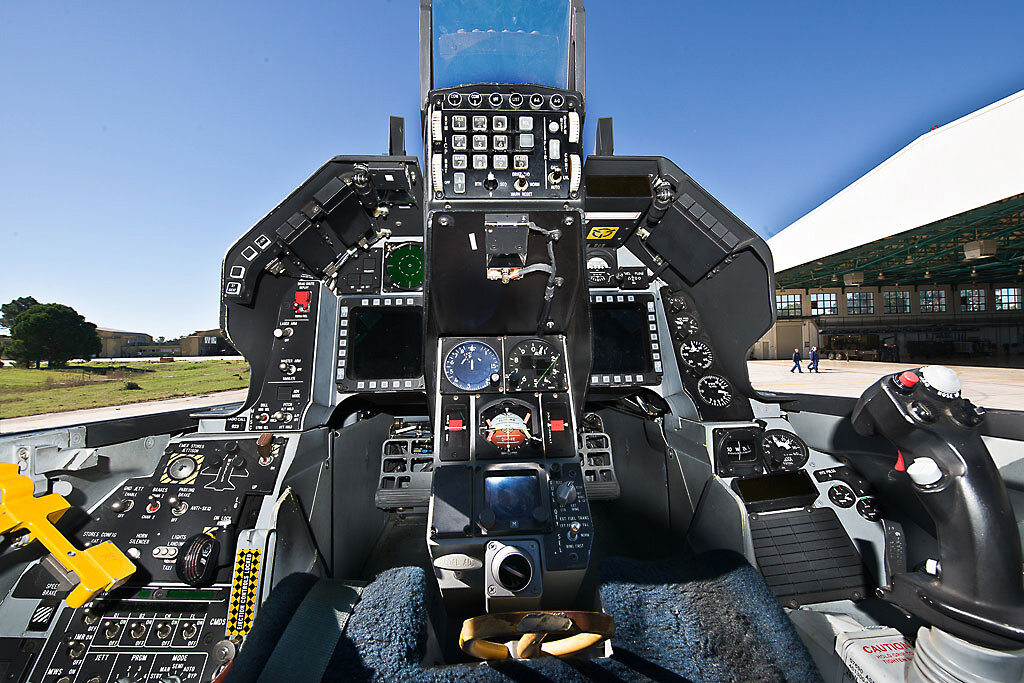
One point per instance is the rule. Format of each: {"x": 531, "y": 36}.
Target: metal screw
{"x": 23, "y": 453}
{"x": 567, "y": 220}
{"x": 443, "y": 220}
{"x": 490, "y": 590}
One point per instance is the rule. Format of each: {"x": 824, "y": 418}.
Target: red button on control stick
{"x": 908, "y": 379}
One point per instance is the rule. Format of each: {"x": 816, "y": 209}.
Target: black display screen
{"x": 511, "y": 497}
{"x": 622, "y": 338}
{"x": 618, "y": 186}
{"x": 776, "y": 486}
{"x": 385, "y": 343}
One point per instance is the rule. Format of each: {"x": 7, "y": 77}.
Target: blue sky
{"x": 139, "y": 139}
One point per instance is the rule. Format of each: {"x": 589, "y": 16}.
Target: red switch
{"x": 908, "y": 379}
{"x": 303, "y": 301}
{"x": 900, "y": 466}
{"x": 455, "y": 426}
{"x": 558, "y": 425}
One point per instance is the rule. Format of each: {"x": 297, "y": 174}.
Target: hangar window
{"x": 896, "y": 302}
{"x": 860, "y": 303}
{"x": 972, "y": 300}
{"x": 933, "y": 301}
{"x": 1007, "y": 298}
{"x": 788, "y": 305}
{"x": 824, "y": 304}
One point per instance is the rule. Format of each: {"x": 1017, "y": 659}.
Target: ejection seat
{"x": 703, "y": 618}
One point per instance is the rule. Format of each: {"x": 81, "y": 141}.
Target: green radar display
{"x": 405, "y": 266}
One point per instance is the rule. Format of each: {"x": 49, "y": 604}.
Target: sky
{"x": 138, "y": 140}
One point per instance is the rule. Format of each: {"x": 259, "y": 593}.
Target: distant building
{"x": 207, "y": 343}
{"x": 121, "y": 343}
{"x": 920, "y": 260}
{"x": 125, "y": 344}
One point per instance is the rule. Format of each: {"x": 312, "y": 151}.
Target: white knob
{"x": 941, "y": 379}
{"x": 924, "y": 471}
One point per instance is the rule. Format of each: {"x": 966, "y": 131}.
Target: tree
{"x": 9, "y": 312}
{"x": 52, "y": 332}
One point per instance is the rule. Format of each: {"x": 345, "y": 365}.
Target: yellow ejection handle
{"x": 100, "y": 568}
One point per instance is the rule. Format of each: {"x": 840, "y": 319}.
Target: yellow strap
{"x": 479, "y": 634}
{"x": 101, "y": 567}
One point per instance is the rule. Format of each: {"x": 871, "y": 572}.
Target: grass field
{"x": 97, "y": 384}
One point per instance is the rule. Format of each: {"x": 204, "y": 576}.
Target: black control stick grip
{"x": 977, "y": 592}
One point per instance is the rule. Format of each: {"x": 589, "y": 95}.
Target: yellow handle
{"x": 100, "y": 568}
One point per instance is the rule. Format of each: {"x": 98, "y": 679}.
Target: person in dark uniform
{"x": 813, "y": 367}
{"x": 796, "y": 362}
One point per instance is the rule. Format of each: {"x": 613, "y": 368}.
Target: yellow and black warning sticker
{"x": 605, "y": 233}
{"x": 242, "y": 607}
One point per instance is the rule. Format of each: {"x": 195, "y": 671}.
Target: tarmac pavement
{"x": 988, "y": 387}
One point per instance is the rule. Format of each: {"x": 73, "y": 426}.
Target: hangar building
{"x": 920, "y": 260}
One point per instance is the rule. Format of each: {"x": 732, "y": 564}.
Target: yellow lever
{"x": 100, "y": 568}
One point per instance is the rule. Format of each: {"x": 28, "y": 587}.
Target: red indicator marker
{"x": 455, "y": 426}
{"x": 558, "y": 425}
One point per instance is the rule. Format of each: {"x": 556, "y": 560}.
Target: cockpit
{"x": 499, "y": 426}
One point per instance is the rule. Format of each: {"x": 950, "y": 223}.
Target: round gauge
{"x": 714, "y": 390}
{"x": 696, "y": 354}
{"x": 598, "y": 263}
{"x": 842, "y": 495}
{"x": 676, "y": 303}
{"x": 535, "y": 365}
{"x": 469, "y": 365}
{"x": 783, "y": 450}
{"x": 868, "y": 509}
{"x": 686, "y": 325}
{"x": 405, "y": 266}
{"x": 506, "y": 426}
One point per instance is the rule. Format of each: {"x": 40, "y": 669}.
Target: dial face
{"x": 597, "y": 263}
{"x": 868, "y": 509}
{"x": 469, "y": 365}
{"x": 405, "y": 266}
{"x": 506, "y": 426}
{"x": 714, "y": 391}
{"x": 842, "y": 495}
{"x": 686, "y": 325}
{"x": 783, "y": 450}
{"x": 535, "y": 365}
{"x": 696, "y": 354}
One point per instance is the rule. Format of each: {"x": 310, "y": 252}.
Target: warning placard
{"x": 243, "y": 592}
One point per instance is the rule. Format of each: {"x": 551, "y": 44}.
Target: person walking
{"x": 796, "y": 362}
{"x": 813, "y": 367}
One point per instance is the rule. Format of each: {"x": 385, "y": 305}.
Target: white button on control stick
{"x": 924, "y": 471}
{"x": 941, "y": 379}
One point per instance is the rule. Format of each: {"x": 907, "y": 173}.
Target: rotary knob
{"x": 941, "y": 380}
{"x": 565, "y": 494}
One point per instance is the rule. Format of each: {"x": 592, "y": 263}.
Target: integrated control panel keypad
{"x": 505, "y": 145}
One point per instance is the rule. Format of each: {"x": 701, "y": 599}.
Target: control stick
{"x": 975, "y": 591}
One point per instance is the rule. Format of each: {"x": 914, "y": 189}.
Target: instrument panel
{"x": 503, "y": 364}
{"x": 492, "y": 142}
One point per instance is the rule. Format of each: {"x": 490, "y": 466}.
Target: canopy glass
{"x": 515, "y": 41}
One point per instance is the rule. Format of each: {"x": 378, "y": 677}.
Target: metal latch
{"x": 98, "y": 568}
